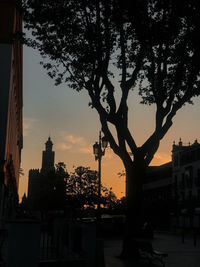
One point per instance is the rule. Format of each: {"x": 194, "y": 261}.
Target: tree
{"x": 110, "y": 199}
{"x": 82, "y": 189}
{"x": 152, "y": 45}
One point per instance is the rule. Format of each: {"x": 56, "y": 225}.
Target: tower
{"x": 48, "y": 157}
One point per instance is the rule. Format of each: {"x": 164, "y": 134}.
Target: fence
{"x": 60, "y": 241}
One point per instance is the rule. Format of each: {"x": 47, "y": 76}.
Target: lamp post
{"x": 99, "y": 151}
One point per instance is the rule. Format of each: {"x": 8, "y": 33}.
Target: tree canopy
{"x": 82, "y": 189}
{"x": 154, "y": 45}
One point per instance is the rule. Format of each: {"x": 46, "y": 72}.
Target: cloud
{"x": 63, "y": 146}
{"x": 74, "y": 139}
{"x": 28, "y": 124}
{"x": 75, "y": 143}
{"x": 86, "y": 150}
{"x": 161, "y": 158}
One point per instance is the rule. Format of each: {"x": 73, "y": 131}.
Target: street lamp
{"x": 99, "y": 151}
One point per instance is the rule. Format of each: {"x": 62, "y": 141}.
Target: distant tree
{"x": 82, "y": 188}
{"x": 110, "y": 199}
{"x": 152, "y": 45}
{"x": 119, "y": 206}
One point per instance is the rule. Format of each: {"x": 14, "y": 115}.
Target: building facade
{"x": 172, "y": 190}
{"x": 10, "y": 105}
{"x": 158, "y": 184}
{"x": 186, "y": 174}
{"x": 158, "y": 195}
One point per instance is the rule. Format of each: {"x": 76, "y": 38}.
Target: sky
{"x": 64, "y": 115}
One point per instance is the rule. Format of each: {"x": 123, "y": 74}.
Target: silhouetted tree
{"x": 154, "y": 47}
{"x": 82, "y": 189}
{"x": 110, "y": 199}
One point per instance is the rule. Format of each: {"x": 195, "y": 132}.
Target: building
{"x": 179, "y": 179}
{"x": 10, "y": 106}
{"x": 186, "y": 174}
{"x": 34, "y": 188}
{"x": 158, "y": 184}
{"x": 48, "y": 157}
{"x": 37, "y": 187}
{"x": 158, "y": 195}
{"x": 174, "y": 188}
{"x": 47, "y": 186}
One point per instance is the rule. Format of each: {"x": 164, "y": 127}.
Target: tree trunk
{"x": 134, "y": 211}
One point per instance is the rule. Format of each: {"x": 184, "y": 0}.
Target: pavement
{"x": 180, "y": 254}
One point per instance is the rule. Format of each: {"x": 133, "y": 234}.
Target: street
{"x": 179, "y": 254}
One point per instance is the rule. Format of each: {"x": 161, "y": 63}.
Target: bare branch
{"x": 129, "y": 83}
{"x": 110, "y": 96}
{"x": 123, "y": 53}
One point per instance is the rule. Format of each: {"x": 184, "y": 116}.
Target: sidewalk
{"x": 179, "y": 254}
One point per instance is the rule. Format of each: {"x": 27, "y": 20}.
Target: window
{"x": 197, "y": 179}
{"x": 198, "y": 173}
{"x": 182, "y": 182}
{"x": 192, "y": 155}
{"x": 175, "y": 181}
{"x": 182, "y": 195}
{"x": 198, "y": 153}
{"x": 189, "y": 176}
{"x": 175, "y": 160}
{"x": 198, "y": 194}
{"x": 190, "y": 195}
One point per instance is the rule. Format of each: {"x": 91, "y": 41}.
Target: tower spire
{"x": 49, "y": 144}
{"x": 48, "y": 156}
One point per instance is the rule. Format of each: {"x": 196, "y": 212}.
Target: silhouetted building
{"x": 158, "y": 184}
{"x": 48, "y": 157}
{"x": 158, "y": 195}
{"x": 10, "y": 106}
{"x": 38, "y": 186}
{"x": 174, "y": 187}
{"x": 186, "y": 174}
{"x": 34, "y": 188}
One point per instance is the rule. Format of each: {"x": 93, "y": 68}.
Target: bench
{"x": 147, "y": 252}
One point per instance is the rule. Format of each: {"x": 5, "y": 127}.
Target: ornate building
{"x": 174, "y": 187}
{"x": 186, "y": 173}
{"x": 10, "y": 106}
{"x": 158, "y": 184}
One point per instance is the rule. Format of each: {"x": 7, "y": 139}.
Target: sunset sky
{"x": 74, "y": 127}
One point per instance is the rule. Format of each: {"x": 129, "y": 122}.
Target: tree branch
{"x": 110, "y": 96}
{"x": 151, "y": 145}
{"x": 130, "y": 141}
{"x": 123, "y": 52}
{"x": 129, "y": 83}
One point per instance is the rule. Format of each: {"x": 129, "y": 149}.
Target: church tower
{"x": 48, "y": 157}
